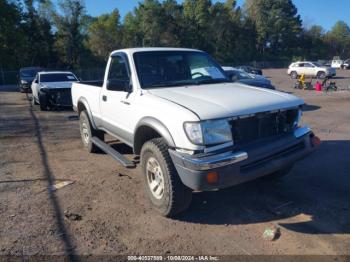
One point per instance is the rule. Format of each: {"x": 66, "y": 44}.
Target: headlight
{"x": 209, "y": 132}
{"x": 24, "y": 82}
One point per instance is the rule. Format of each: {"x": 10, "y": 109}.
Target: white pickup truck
{"x": 191, "y": 126}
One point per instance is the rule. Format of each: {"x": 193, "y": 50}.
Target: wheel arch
{"x": 84, "y": 105}
{"x": 320, "y": 72}
{"x": 148, "y": 128}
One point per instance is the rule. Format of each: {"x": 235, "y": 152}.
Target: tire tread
{"x": 180, "y": 196}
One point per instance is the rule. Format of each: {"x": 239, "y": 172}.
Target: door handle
{"x": 104, "y": 98}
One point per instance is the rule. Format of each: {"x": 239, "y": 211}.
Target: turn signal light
{"x": 316, "y": 141}
{"x": 212, "y": 178}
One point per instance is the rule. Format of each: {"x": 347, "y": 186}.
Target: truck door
{"x": 116, "y": 99}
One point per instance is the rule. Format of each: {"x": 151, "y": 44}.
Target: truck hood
{"x": 57, "y": 85}
{"x": 265, "y": 83}
{"x": 226, "y": 100}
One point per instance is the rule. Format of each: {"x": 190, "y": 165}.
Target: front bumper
{"x": 25, "y": 86}
{"x": 236, "y": 167}
{"x": 58, "y": 96}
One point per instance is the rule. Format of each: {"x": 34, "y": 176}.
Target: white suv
{"x": 312, "y": 69}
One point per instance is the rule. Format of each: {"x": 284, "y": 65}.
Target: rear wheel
{"x": 168, "y": 195}
{"x": 87, "y": 132}
{"x": 294, "y": 75}
{"x": 321, "y": 75}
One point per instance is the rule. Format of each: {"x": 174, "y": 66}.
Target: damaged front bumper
{"x": 243, "y": 164}
{"x": 58, "y": 96}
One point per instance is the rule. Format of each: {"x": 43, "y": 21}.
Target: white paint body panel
{"x": 174, "y": 106}
{"x": 52, "y": 85}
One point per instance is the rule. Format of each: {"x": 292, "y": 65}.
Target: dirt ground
{"x": 105, "y": 210}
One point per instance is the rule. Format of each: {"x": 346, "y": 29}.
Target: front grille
{"x": 263, "y": 125}
{"x": 61, "y": 97}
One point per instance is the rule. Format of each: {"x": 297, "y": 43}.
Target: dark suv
{"x": 26, "y": 77}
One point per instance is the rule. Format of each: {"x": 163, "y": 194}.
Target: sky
{"x": 320, "y": 12}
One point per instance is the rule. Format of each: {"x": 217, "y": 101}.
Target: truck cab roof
{"x": 152, "y": 49}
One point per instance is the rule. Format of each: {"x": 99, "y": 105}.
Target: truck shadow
{"x": 48, "y": 176}
{"x": 313, "y": 199}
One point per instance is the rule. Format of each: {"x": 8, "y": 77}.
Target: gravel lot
{"x": 105, "y": 210}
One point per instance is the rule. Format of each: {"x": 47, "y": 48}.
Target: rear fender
{"x": 83, "y": 103}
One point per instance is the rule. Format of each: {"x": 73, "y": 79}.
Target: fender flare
{"x": 158, "y": 126}
{"x": 88, "y": 110}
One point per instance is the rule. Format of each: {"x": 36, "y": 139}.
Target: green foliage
{"x": 70, "y": 23}
{"x": 277, "y": 23}
{"x": 11, "y": 31}
{"x": 34, "y": 33}
{"x": 39, "y": 39}
{"x": 338, "y": 39}
{"x": 105, "y": 34}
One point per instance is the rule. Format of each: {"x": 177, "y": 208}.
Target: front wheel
{"x": 43, "y": 101}
{"x": 168, "y": 195}
{"x": 294, "y": 75}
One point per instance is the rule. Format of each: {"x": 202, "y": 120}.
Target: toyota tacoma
{"x": 193, "y": 129}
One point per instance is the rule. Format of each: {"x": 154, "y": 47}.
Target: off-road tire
{"x": 176, "y": 196}
{"x": 87, "y": 129}
{"x": 294, "y": 75}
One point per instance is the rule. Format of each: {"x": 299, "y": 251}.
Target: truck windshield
{"x": 58, "y": 78}
{"x": 157, "y": 69}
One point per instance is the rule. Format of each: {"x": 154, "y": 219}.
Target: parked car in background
{"x": 326, "y": 63}
{"x": 346, "y": 64}
{"x": 337, "y": 63}
{"x": 250, "y": 70}
{"x": 53, "y": 89}
{"x": 26, "y": 76}
{"x": 191, "y": 126}
{"x": 240, "y": 76}
{"x": 313, "y": 69}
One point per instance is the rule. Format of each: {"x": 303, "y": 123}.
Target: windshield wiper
{"x": 170, "y": 84}
{"x": 211, "y": 81}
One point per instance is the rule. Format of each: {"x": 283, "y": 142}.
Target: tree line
{"x": 63, "y": 35}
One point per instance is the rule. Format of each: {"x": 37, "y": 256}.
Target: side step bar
{"x": 112, "y": 152}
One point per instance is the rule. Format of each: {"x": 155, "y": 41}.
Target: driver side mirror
{"x": 119, "y": 85}
{"x": 36, "y": 81}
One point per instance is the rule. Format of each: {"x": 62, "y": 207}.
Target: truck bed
{"x": 98, "y": 83}
{"x": 90, "y": 90}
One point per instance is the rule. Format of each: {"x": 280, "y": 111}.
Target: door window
{"x": 118, "y": 75}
